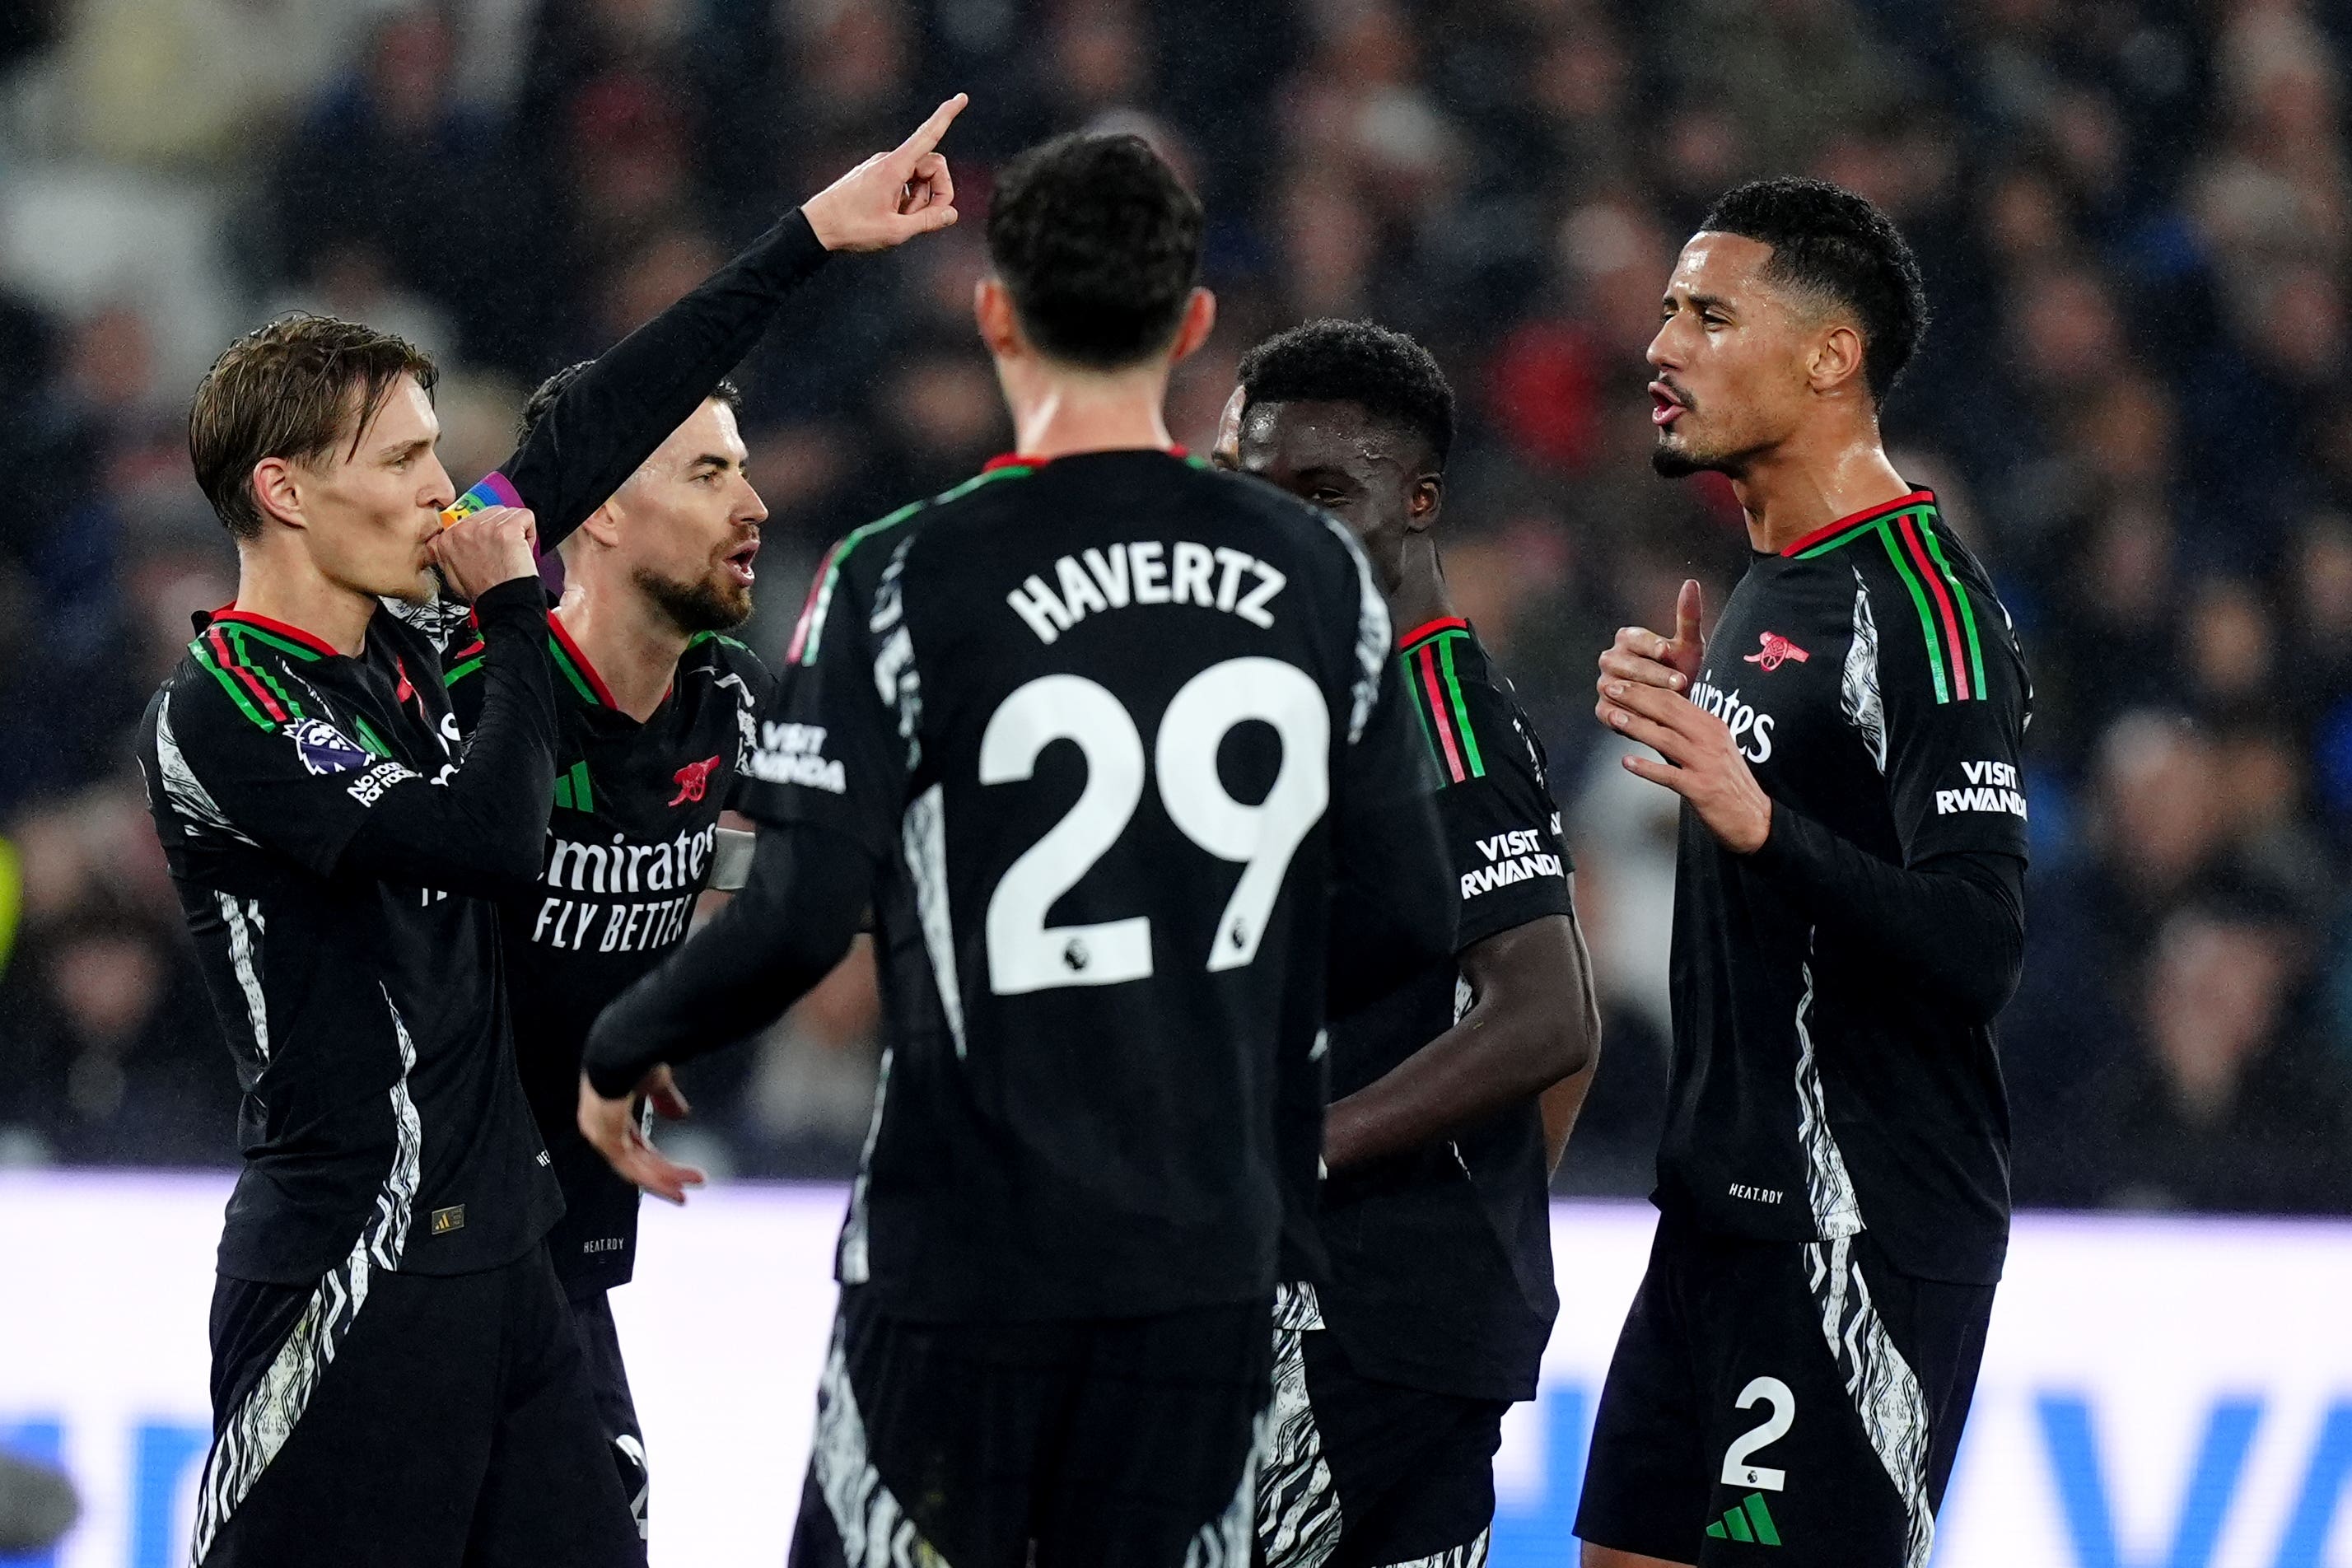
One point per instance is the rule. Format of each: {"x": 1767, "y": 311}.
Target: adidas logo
{"x": 1748, "y": 1521}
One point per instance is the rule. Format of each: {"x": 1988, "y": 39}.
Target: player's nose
{"x": 751, "y": 511}
{"x": 1659, "y": 354}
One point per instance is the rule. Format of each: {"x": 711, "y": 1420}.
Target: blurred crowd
{"x": 2136, "y": 221}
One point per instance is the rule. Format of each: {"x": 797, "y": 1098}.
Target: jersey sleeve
{"x": 830, "y": 752}
{"x": 626, "y": 403}
{"x": 300, "y": 786}
{"x": 1502, "y": 829}
{"x": 1941, "y": 699}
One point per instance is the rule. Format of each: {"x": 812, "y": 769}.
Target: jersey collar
{"x": 1917, "y": 497}
{"x": 574, "y": 665}
{"x": 1015, "y": 460}
{"x": 308, "y": 644}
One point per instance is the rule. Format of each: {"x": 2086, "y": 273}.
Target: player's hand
{"x": 1703, "y": 764}
{"x": 661, "y": 1091}
{"x": 892, "y": 196}
{"x": 484, "y": 549}
{"x": 1641, "y": 655}
{"x": 613, "y": 1130}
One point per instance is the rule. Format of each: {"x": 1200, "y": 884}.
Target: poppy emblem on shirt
{"x": 1775, "y": 651}
{"x": 694, "y": 780}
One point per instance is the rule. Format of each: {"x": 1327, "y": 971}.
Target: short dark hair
{"x": 284, "y": 390}
{"x": 1384, "y": 373}
{"x": 536, "y": 406}
{"x": 1100, "y": 244}
{"x": 1832, "y": 242}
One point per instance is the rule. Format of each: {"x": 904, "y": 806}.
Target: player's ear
{"x": 1192, "y": 329}
{"x": 603, "y": 526}
{"x": 1837, "y": 356}
{"x": 1421, "y": 505}
{"x": 277, "y": 491}
{"x": 1000, "y": 326}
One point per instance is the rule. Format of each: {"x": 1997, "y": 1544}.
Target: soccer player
{"x": 1392, "y": 1374}
{"x": 394, "y": 1378}
{"x": 1849, "y": 918}
{"x": 656, "y": 710}
{"x": 1094, "y": 734}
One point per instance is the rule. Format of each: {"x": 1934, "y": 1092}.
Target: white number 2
{"x": 1736, "y": 1471}
{"x": 1026, "y": 954}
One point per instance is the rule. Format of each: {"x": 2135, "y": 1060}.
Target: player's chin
{"x": 730, "y": 598}
{"x": 1672, "y": 459}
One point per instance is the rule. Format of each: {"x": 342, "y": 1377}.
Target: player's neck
{"x": 298, "y": 595}
{"x": 1420, "y": 595}
{"x": 1059, "y": 413}
{"x": 1798, "y": 488}
{"x": 633, "y": 646}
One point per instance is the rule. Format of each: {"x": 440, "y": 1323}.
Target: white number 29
{"x": 1026, "y": 954}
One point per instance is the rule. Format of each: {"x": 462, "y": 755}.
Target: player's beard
{"x": 708, "y": 603}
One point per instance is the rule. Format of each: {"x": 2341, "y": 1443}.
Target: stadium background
{"x": 2135, "y": 218}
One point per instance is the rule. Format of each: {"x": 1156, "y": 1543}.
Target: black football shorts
{"x": 616, "y": 1408}
{"x": 419, "y": 1421}
{"x": 1801, "y": 1400}
{"x": 1128, "y": 1442}
{"x": 1364, "y": 1474}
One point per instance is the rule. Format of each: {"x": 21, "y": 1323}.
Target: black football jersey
{"x": 1440, "y": 1260}
{"x": 1870, "y": 677}
{"x": 629, "y": 852}
{"x": 368, "y": 1021}
{"x": 1101, "y": 721}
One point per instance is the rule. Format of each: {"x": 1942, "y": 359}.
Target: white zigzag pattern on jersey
{"x": 1827, "y": 1188}
{"x": 1866, "y": 710}
{"x": 874, "y": 1529}
{"x": 187, "y": 793}
{"x": 1298, "y": 1504}
{"x": 252, "y": 1436}
{"x": 244, "y": 927}
{"x": 1880, "y": 1382}
{"x": 855, "y": 1266}
{"x": 922, "y": 833}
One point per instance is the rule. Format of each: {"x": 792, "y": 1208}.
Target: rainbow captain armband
{"x": 495, "y": 490}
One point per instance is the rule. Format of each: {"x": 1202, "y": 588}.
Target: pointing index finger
{"x": 927, "y": 135}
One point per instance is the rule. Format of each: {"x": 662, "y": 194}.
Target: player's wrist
{"x": 517, "y": 606}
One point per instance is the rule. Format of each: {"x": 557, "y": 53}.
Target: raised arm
{"x": 627, "y": 402}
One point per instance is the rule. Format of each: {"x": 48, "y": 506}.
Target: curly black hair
{"x": 1385, "y": 372}
{"x": 1829, "y": 241}
{"x": 535, "y": 407}
{"x": 1099, "y": 243}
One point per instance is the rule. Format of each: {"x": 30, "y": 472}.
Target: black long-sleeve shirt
{"x": 1833, "y": 992}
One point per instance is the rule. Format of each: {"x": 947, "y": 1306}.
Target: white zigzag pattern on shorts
{"x": 1469, "y": 1555}
{"x": 1884, "y": 1389}
{"x": 874, "y": 1529}
{"x": 265, "y": 1418}
{"x": 1297, "y": 1507}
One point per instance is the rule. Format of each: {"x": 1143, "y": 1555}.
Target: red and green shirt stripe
{"x": 1427, "y": 652}
{"x": 1904, "y": 528}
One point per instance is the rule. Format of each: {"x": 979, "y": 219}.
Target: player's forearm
{"x": 1956, "y": 923}
{"x": 1522, "y": 1036}
{"x": 1563, "y": 1102}
{"x": 625, "y": 405}
{"x": 483, "y": 831}
{"x": 793, "y": 921}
